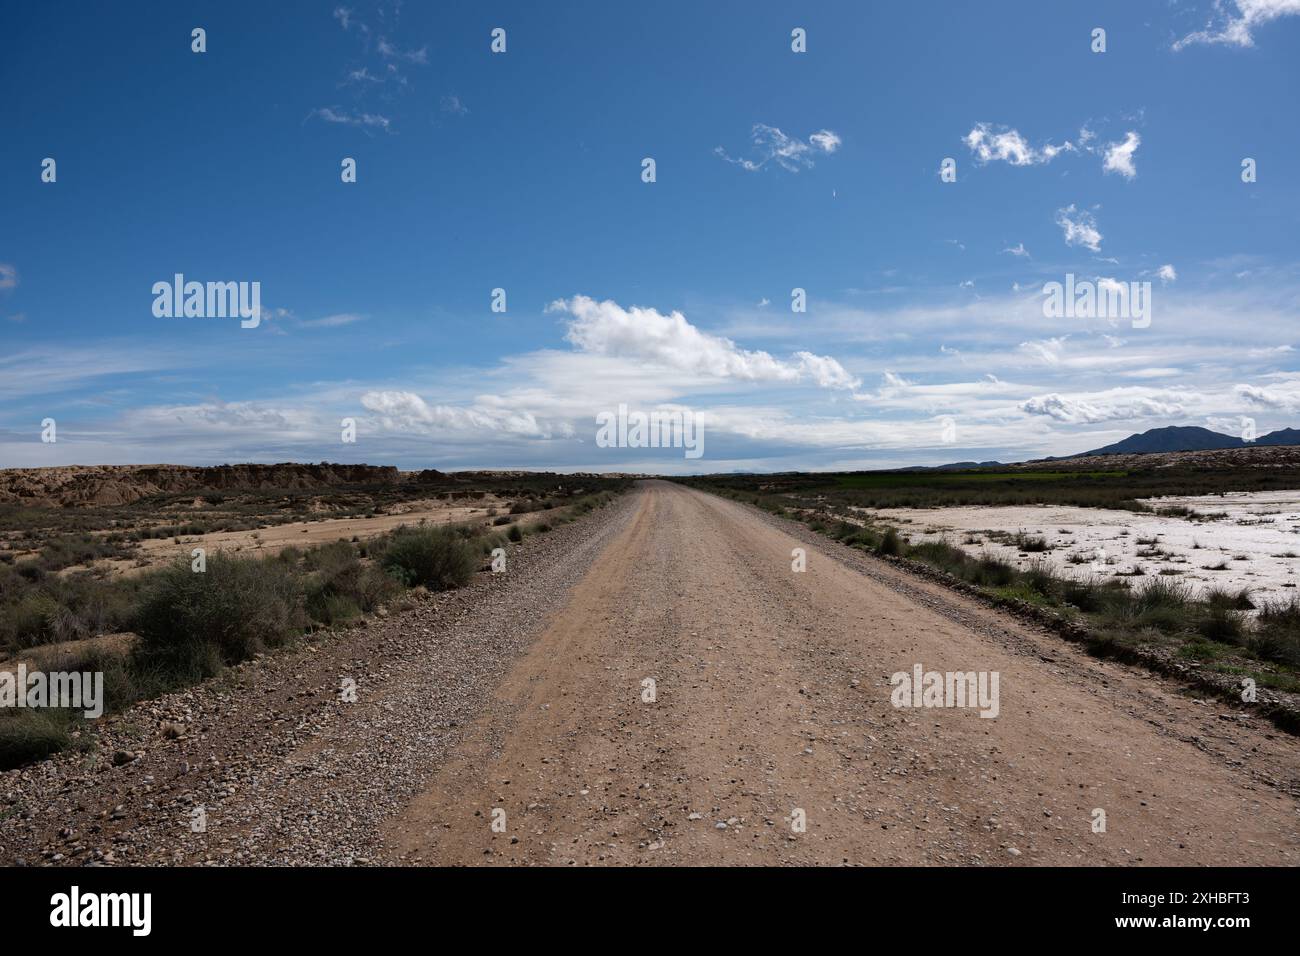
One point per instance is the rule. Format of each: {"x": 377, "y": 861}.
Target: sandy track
{"x": 523, "y": 692}
{"x": 773, "y": 696}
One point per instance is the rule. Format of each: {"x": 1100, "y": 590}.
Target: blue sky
{"x": 924, "y": 339}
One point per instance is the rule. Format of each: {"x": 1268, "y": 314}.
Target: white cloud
{"x": 332, "y": 114}
{"x": 1119, "y": 156}
{"x": 1237, "y": 30}
{"x": 49, "y": 370}
{"x": 1047, "y": 351}
{"x": 1167, "y": 273}
{"x": 1074, "y": 411}
{"x": 406, "y": 411}
{"x": 1285, "y": 397}
{"x": 344, "y": 16}
{"x": 1018, "y": 250}
{"x": 825, "y": 140}
{"x": 1079, "y": 227}
{"x": 1008, "y": 146}
{"x": 990, "y": 143}
{"x": 788, "y": 152}
{"x": 1271, "y": 352}
{"x": 645, "y": 335}
{"x": 8, "y": 276}
{"x": 223, "y": 418}
{"x": 893, "y": 386}
{"x": 1004, "y": 144}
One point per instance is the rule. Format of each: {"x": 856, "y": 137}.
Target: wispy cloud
{"x": 788, "y": 152}
{"x": 332, "y": 114}
{"x": 1079, "y": 227}
{"x": 1238, "y": 29}
{"x": 390, "y": 52}
{"x": 8, "y": 276}
{"x": 332, "y": 321}
{"x": 452, "y": 104}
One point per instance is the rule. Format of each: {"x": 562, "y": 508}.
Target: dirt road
{"x": 768, "y": 735}
{"x": 772, "y": 708}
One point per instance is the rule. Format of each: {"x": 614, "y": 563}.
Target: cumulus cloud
{"x": 1285, "y": 396}
{"x": 1167, "y": 273}
{"x": 1079, "y": 227}
{"x": 1004, "y": 144}
{"x": 1118, "y": 157}
{"x": 646, "y": 335}
{"x": 989, "y": 144}
{"x": 788, "y": 152}
{"x": 1237, "y": 30}
{"x": 1074, "y": 411}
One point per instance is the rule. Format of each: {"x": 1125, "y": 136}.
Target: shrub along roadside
{"x": 438, "y": 558}
{"x": 192, "y": 625}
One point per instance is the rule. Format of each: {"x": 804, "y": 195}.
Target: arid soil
{"x": 302, "y": 534}
{"x": 121, "y": 484}
{"x": 523, "y": 701}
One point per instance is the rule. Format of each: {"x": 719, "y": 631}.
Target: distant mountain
{"x": 1189, "y": 438}
{"x": 953, "y": 466}
{"x": 1173, "y": 438}
{"x": 1283, "y": 436}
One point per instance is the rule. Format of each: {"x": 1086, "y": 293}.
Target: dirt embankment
{"x": 109, "y": 485}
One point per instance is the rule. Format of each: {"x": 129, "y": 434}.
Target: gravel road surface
{"x": 656, "y": 684}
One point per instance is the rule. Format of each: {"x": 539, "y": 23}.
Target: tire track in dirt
{"x": 773, "y": 696}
